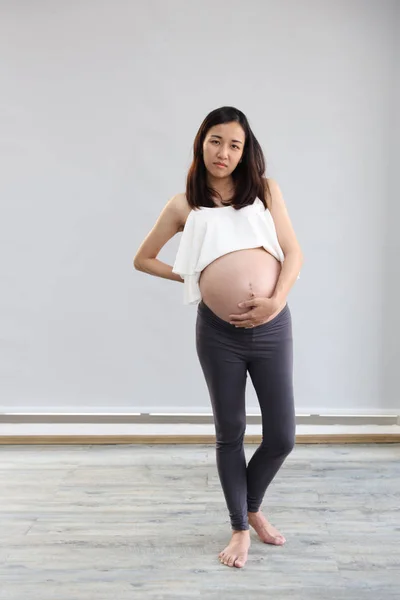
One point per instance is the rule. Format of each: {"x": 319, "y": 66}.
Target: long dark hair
{"x": 248, "y": 175}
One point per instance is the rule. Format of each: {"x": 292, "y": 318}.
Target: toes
{"x": 232, "y": 560}
{"x": 240, "y": 561}
{"x": 279, "y": 540}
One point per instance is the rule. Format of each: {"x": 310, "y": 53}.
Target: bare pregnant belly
{"x": 233, "y": 277}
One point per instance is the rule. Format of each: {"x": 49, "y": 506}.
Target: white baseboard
{"x": 174, "y": 429}
{"x": 183, "y": 410}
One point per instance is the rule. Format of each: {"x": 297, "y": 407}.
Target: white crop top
{"x": 212, "y": 232}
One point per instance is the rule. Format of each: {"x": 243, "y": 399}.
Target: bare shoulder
{"x": 283, "y": 225}
{"x": 273, "y": 192}
{"x": 171, "y": 219}
{"x": 181, "y": 206}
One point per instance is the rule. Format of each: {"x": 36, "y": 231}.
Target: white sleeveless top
{"x": 212, "y": 232}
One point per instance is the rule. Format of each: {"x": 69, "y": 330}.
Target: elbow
{"x": 139, "y": 263}
{"x": 300, "y": 258}
{"x": 136, "y": 264}
{"x": 297, "y": 252}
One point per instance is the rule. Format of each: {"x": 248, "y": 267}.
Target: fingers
{"x": 242, "y": 321}
{"x": 246, "y": 324}
{"x": 242, "y": 317}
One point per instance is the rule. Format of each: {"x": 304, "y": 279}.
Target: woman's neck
{"x": 224, "y": 188}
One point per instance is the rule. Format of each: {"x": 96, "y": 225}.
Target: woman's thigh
{"x": 271, "y": 372}
{"x": 225, "y": 371}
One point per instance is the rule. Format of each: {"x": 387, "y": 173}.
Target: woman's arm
{"x": 288, "y": 242}
{"x": 167, "y": 225}
{"x": 156, "y": 267}
{"x": 287, "y": 277}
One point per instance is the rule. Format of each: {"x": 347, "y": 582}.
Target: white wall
{"x": 391, "y": 241}
{"x": 100, "y": 103}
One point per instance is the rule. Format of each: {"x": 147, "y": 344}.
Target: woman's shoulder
{"x": 270, "y": 182}
{"x": 181, "y": 207}
{"x": 181, "y": 203}
{"x": 270, "y": 185}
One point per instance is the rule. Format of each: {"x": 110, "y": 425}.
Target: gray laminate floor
{"x": 147, "y": 522}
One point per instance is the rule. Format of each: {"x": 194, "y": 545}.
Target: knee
{"x": 288, "y": 444}
{"x": 231, "y": 434}
{"x": 279, "y": 445}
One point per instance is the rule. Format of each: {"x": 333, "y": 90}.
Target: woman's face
{"x": 223, "y": 144}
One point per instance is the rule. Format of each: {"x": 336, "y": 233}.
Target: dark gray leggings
{"x": 226, "y": 353}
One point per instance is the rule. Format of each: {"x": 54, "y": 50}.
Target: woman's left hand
{"x": 261, "y": 309}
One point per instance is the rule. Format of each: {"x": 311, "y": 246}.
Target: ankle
{"x": 241, "y": 531}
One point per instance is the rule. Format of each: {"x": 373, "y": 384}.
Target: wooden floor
{"x": 147, "y": 522}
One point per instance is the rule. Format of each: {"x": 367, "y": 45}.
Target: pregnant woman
{"x": 238, "y": 258}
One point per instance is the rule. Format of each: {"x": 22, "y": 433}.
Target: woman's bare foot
{"x": 235, "y": 554}
{"x": 266, "y": 531}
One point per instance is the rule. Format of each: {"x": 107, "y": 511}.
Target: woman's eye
{"x": 217, "y": 142}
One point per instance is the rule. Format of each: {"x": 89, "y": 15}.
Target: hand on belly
{"x": 237, "y": 277}
{"x": 259, "y": 311}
